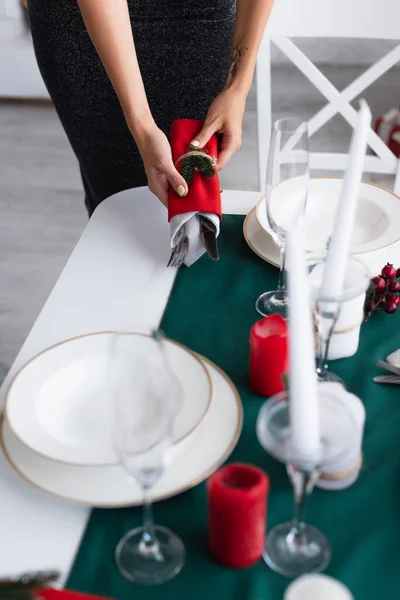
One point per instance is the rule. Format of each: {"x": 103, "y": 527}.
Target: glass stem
{"x": 281, "y": 291}
{"x": 303, "y": 482}
{"x": 326, "y": 325}
{"x": 149, "y": 540}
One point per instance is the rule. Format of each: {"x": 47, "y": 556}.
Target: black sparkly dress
{"x": 183, "y": 49}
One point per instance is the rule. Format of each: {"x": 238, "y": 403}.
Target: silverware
{"x": 390, "y": 379}
{"x": 388, "y": 367}
{"x": 209, "y": 239}
{"x": 179, "y": 253}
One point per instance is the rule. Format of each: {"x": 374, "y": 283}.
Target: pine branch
{"x": 25, "y": 586}
{"x": 187, "y": 171}
{"x": 198, "y": 163}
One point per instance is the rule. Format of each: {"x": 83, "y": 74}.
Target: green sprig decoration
{"x": 25, "y": 586}
{"x": 196, "y": 162}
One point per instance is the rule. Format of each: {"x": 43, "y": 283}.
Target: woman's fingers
{"x": 158, "y": 184}
{"x": 175, "y": 178}
{"x": 209, "y": 128}
{"x": 230, "y": 143}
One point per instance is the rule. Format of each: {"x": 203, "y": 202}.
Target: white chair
{"x": 328, "y": 19}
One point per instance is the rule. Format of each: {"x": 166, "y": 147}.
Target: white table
{"x": 115, "y": 279}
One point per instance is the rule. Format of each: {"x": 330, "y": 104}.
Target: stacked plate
{"x": 56, "y": 431}
{"x": 376, "y": 238}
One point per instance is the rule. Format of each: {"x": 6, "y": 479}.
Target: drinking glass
{"x": 146, "y": 402}
{"x": 285, "y": 197}
{"x": 295, "y": 548}
{"x": 343, "y": 311}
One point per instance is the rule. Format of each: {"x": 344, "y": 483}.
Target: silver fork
{"x": 179, "y": 253}
{"x": 390, "y": 379}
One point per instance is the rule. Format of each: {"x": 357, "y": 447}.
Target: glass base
{"x": 272, "y": 302}
{"x": 150, "y": 565}
{"x": 329, "y": 376}
{"x": 291, "y": 559}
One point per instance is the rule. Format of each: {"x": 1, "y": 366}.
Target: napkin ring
{"x": 196, "y": 160}
{"x": 201, "y": 153}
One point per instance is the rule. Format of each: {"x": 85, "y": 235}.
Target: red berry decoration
{"x": 382, "y": 292}
{"x": 393, "y": 299}
{"x": 390, "y": 307}
{"x": 379, "y": 283}
{"x": 388, "y": 271}
{"x": 394, "y": 286}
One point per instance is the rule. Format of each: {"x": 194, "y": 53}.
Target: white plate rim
{"x": 92, "y": 334}
{"x": 367, "y": 183}
{"x": 373, "y": 260}
{"x": 129, "y": 503}
{"x": 250, "y": 215}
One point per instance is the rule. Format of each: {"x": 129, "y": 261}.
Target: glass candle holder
{"x": 338, "y": 318}
{"x": 295, "y": 548}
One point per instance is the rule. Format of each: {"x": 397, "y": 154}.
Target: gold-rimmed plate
{"x": 109, "y": 486}
{"x": 377, "y": 224}
{"x": 60, "y": 403}
{"x": 262, "y": 244}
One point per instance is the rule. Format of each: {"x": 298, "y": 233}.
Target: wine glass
{"x": 348, "y": 306}
{"x": 295, "y": 548}
{"x": 285, "y": 197}
{"x": 146, "y": 402}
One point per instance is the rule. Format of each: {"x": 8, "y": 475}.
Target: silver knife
{"x": 388, "y": 367}
{"x": 390, "y": 379}
{"x": 209, "y": 239}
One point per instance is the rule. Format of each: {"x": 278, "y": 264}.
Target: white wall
{"x": 19, "y": 75}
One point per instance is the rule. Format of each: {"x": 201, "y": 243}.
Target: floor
{"x": 41, "y": 201}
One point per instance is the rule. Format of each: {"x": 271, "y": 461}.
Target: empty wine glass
{"x": 285, "y": 197}
{"x": 146, "y": 402}
{"x": 295, "y": 548}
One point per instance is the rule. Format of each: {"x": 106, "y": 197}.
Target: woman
{"x": 186, "y": 58}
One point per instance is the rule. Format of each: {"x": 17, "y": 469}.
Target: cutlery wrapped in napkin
{"x": 198, "y": 214}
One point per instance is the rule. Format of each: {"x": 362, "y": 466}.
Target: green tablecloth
{"x": 211, "y": 310}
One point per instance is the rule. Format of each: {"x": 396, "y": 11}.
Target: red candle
{"x": 269, "y": 355}
{"x": 237, "y": 505}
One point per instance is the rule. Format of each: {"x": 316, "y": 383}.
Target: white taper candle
{"x": 339, "y": 246}
{"x": 303, "y": 396}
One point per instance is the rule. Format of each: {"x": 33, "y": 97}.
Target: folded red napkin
{"x": 204, "y": 194}
{"x": 52, "y": 594}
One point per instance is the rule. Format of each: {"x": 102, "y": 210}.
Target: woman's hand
{"x": 158, "y": 163}
{"x": 224, "y": 116}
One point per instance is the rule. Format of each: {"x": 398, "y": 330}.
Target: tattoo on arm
{"x": 238, "y": 52}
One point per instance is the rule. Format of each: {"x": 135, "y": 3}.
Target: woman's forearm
{"x": 109, "y": 27}
{"x": 251, "y": 19}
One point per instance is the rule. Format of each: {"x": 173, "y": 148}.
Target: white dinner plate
{"x": 109, "y": 486}
{"x": 377, "y": 222}
{"x": 60, "y": 403}
{"x": 264, "y": 246}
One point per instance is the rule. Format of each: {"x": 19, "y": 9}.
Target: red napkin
{"x": 204, "y": 194}
{"x": 52, "y": 594}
